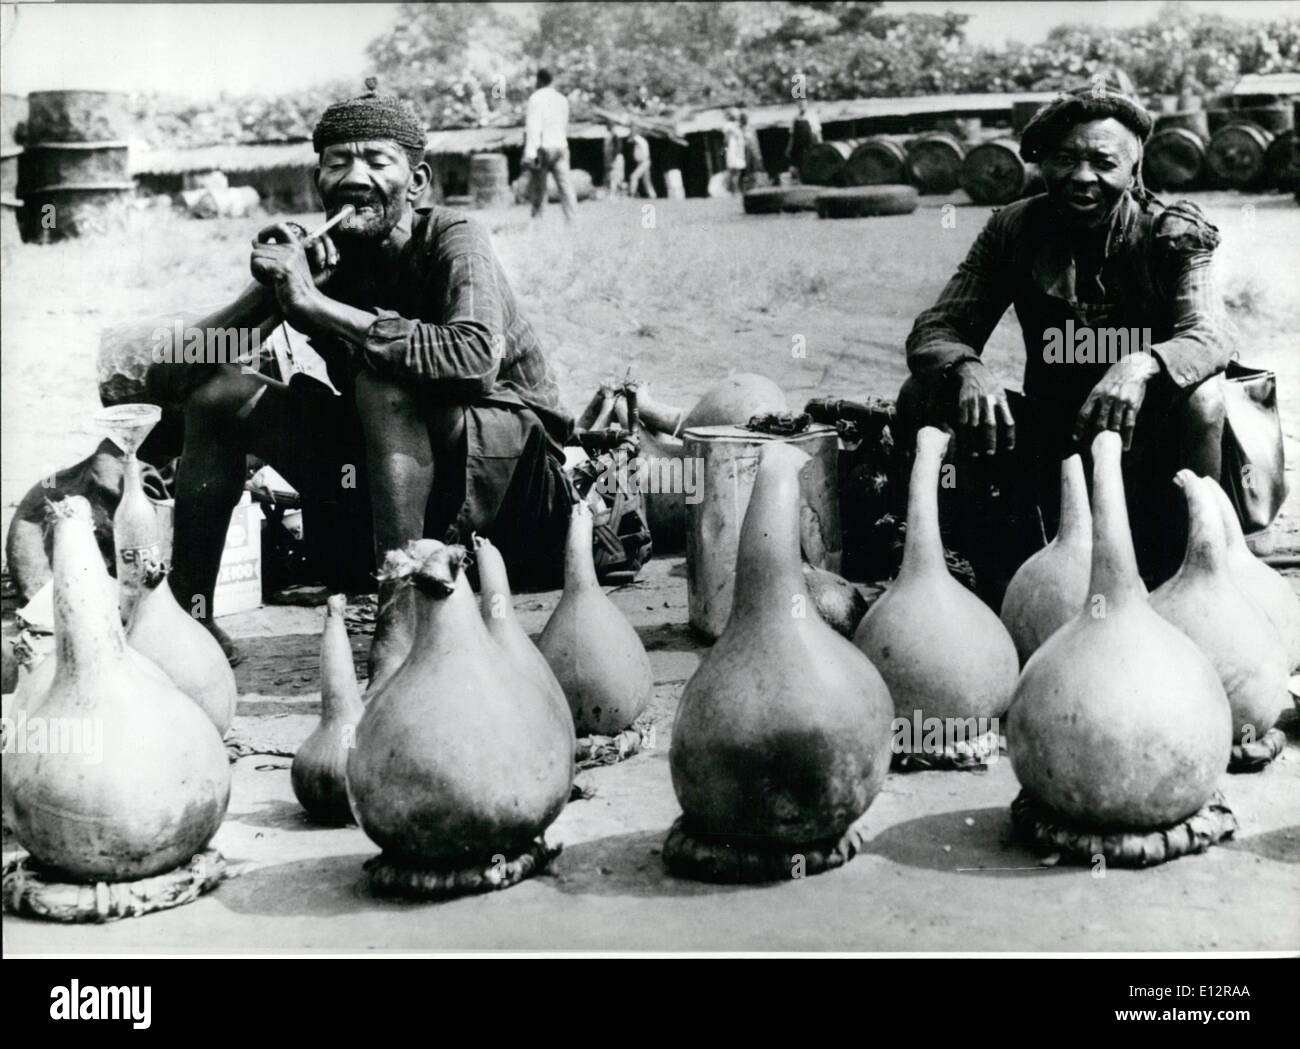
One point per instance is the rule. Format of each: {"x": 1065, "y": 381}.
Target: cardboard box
{"x": 239, "y": 581}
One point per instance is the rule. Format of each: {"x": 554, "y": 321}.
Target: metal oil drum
{"x": 725, "y": 461}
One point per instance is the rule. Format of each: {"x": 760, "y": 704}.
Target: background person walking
{"x": 640, "y": 167}
{"x": 546, "y": 145}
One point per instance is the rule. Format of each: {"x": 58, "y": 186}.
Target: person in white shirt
{"x": 641, "y": 167}
{"x": 546, "y": 145}
{"x": 733, "y": 137}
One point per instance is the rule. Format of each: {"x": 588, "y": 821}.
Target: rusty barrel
{"x": 823, "y": 164}
{"x": 78, "y": 116}
{"x": 995, "y": 173}
{"x": 1195, "y": 120}
{"x": 1237, "y": 155}
{"x": 1281, "y": 164}
{"x": 1274, "y": 118}
{"x": 74, "y": 175}
{"x": 13, "y": 120}
{"x": 489, "y": 180}
{"x": 1174, "y": 159}
{"x": 877, "y": 161}
{"x": 76, "y": 163}
{"x": 934, "y": 162}
{"x": 1022, "y": 113}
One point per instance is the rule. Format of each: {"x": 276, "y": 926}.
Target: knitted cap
{"x": 1094, "y": 102}
{"x": 371, "y": 116}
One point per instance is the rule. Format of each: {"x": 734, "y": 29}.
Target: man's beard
{"x": 375, "y": 217}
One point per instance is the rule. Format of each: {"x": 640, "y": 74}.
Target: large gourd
{"x": 189, "y": 654}
{"x": 734, "y": 400}
{"x": 782, "y": 735}
{"x": 1049, "y": 589}
{"x": 459, "y": 756}
{"x": 498, "y": 608}
{"x": 1118, "y": 721}
{"x": 1205, "y": 603}
{"x": 595, "y": 654}
{"x": 319, "y": 770}
{"x": 941, "y": 650}
{"x": 1262, "y": 584}
{"x": 151, "y": 794}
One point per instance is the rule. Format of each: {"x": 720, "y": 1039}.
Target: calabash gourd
{"x": 595, "y": 654}
{"x": 1205, "y": 603}
{"x": 319, "y": 770}
{"x": 152, "y": 793}
{"x": 1050, "y": 587}
{"x": 1118, "y": 720}
{"x": 498, "y": 608}
{"x": 783, "y": 733}
{"x": 1263, "y": 584}
{"x": 459, "y": 756}
{"x": 734, "y": 400}
{"x": 394, "y": 625}
{"x": 187, "y": 652}
{"x": 941, "y": 650}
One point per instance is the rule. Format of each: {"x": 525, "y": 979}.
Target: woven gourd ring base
{"x": 401, "y": 879}
{"x": 1034, "y": 822}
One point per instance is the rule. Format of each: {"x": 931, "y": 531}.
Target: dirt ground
{"x": 701, "y": 292}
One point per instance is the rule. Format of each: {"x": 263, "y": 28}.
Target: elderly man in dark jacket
{"x": 1123, "y": 330}
{"x": 447, "y": 419}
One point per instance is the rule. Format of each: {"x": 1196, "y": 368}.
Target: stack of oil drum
{"x": 1251, "y": 147}
{"x": 985, "y": 163}
{"x": 1247, "y": 148}
{"x": 74, "y": 174}
{"x": 13, "y": 119}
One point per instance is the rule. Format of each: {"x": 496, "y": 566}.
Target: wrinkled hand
{"x": 982, "y": 411}
{"x": 1117, "y": 398}
{"x": 293, "y": 269}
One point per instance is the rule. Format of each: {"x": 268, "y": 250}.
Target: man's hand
{"x": 1115, "y": 401}
{"x": 292, "y": 269}
{"x": 982, "y": 410}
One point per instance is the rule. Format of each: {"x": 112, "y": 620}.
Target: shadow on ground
{"x": 945, "y": 842}
{"x": 625, "y": 865}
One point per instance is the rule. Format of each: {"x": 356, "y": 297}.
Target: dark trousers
{"x": 1005, "y": 507}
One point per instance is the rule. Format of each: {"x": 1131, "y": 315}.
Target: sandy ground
{"x": 939, "y": 872}
{"x": 703, "y": 292}
{"x": 684, "y": 294}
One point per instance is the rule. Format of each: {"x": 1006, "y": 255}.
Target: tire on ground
{"x": 773, "y": 199}
{"x": 857, "y": 202}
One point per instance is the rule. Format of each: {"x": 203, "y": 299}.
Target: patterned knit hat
{"x": 372, "y": 116}
{"x": 1094, "y": 102}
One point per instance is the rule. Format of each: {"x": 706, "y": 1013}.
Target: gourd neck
{"x": 90, "y": 639}
{"x": 340, "y": 698}
{"x": 1076, "y": 516}
{"x": 769, "y": 568}
{"x": 1234, "y": 538}
{"x": 579, "y": 568}
{"x": 448, "y": 622}
{"x": 1207, "y": 548}
{"x": 1114, "y": 563}
{"x": 493, "y": 580}
{"x": 923, "y": 544}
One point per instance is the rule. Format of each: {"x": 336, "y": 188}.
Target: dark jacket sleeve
{"x": 1183, "y": 250}
{"x": 464, "y": 352}
{"x": 958, "y": 325}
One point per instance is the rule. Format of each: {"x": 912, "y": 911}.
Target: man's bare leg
{"x": 232, "y": 414}
{"x": 399, "y": 460}
{"x": 405, "y": 442}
